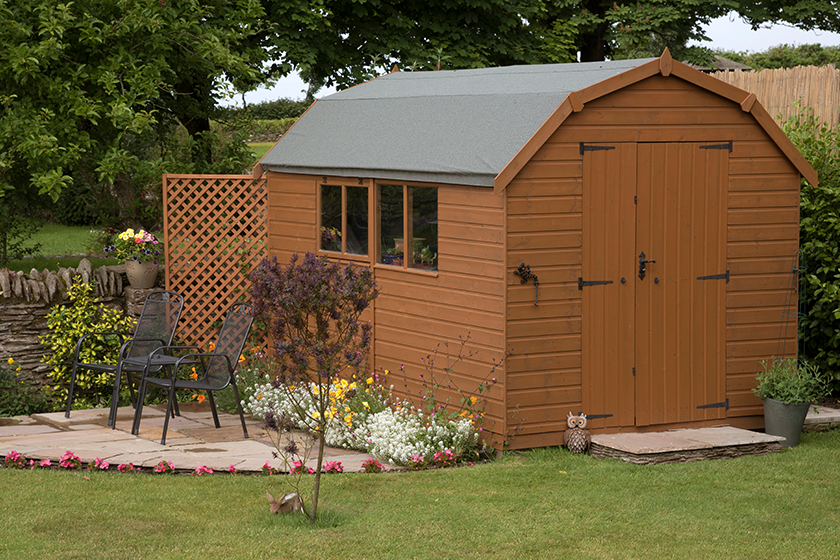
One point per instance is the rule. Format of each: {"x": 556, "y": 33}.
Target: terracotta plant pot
{"x": 141, "y": 275}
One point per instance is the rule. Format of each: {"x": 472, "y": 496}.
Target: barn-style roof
{"x": 469, "y": 127}
{"x": 456, "y": 126}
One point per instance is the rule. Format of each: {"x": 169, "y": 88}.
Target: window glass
{"x": 390, "y": 211}
{"x": 356, "y": 234}
{"x": 331, "y": 218}
{"x": 424, "y": 227}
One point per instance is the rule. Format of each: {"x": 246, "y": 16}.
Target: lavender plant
{"x": 312, "y": 308}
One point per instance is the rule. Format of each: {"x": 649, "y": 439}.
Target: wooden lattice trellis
{"x": 215, "y": 231}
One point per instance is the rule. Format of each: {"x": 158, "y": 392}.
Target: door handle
{"x": 642, "y": 262}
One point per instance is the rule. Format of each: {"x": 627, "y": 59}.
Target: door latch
{"x": 642, "y": 262}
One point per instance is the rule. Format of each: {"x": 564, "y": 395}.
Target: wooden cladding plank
{"x": 682, "y": 98}
{"x": 763, "y": 165}
{"x": 762, "y": 249}
{"x": 544, "y": 205}
{"x": 772, "y": 232}
{"x": 479, "y": 233}
{"x": 551, "y": 151}
{"x": 764, "y": 200}
{"x": 587, "y": 132}
{"x": 542, "y": 362}
{"x": 758, "y": 282}
{"x": 758, "y": 265}
{"x": 764, "y": 216}
{"x": 543, "y": 240}
{"x": 541, "y": 258}
{"x": 656, "y": 116}
{"x": 543, "y": 379}
{"x": 550, "y": 169}
{"x": 525, "y": 293}
{"x": 736, "y": 314}
{"x": 562, "y": 186}
{"x": 763, "y": 183}
{"x": 525, "y": 398}
{"x": 524, "y": 328}
{"x": 533, "y": 224}
{"x": 772, "y": 298}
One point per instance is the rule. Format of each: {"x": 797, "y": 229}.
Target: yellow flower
{"x": 386, "y": 372}
{"x": 366, "y": 405}
{"x": 316, "y": 415}
{"x": 346, "y": 409}
{"x": 473, "y": 400}
{"x": 369, "y": 381}
{"x": 200, "y": 398}
{"x": 11, "y": 361}
{"x": 194, "y": 375}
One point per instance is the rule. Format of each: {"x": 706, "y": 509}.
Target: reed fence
{"x": 778, "y": 90}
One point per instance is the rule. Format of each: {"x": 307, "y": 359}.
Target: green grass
{"x": 56, "y": 239}
{"x": 542, "y": 504}
{"x": 260, "y": 149}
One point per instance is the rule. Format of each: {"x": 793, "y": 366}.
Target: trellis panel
{"x": 215, "y": 231}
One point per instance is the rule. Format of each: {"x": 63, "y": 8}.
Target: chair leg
{"x": 168, "y": 411}
{"x": 213, "y": 409}
{"x": 115, "y": 398}
{"x": 70, "y": 391}
{"x": 239, "y": 407}
{"x": 138, "y": 408}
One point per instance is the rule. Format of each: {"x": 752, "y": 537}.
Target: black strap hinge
{"x": 727, "y": 146}
{"x": 715, "y": 277}
{"x": 582, "y": 283}
{"x": 594, "y": 416}
{"x": 585, "y": 148}
{"x": 724, "y": 404}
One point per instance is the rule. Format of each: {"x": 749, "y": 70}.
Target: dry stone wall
{"x": 28, "y": 298}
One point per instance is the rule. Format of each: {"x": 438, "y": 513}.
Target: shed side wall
{"x": 415, "y": 310}
{"x": 544, "y": 230}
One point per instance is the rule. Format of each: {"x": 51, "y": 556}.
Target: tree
{"x": 92, "y": 91}
{"x": 339, "y": 42}
{"x": 787, "y": 56}
{"x": 313, "y": 308}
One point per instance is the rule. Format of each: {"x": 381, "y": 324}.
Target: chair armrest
{"x": 82, "y": 339}
{"x": 203, "y": 355}
{"x": 126, "y": 347}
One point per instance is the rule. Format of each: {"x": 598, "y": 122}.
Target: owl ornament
{"x": 576, "y": 438}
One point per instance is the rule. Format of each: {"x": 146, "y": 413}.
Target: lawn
{"x": 56, "y": 239}
{"x": 538, "y": 504}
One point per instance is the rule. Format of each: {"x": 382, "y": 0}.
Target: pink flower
{"x": 203, "y": 469}
{"x": 45, "y": 463}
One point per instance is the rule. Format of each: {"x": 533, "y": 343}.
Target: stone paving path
{"x": 191, "y": 440}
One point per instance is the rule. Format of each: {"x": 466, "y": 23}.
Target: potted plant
{"x": 788, "y": 387}
{"x": 393, "y": 255}
{"x": 141, "y": 252}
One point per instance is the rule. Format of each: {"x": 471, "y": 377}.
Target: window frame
{"x": 408, "y": 236}
{"x": 345, "y": 183}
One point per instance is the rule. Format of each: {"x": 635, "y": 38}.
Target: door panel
{"x": 608, "y": 249}
{"x": 653, "y": 348}
{"x": 680, "y": 340}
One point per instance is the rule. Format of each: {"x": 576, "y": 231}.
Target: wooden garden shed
{"x": 656, "y": 207}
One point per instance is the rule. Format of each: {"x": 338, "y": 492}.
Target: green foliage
{"x": 787, "y": 56}
{"x": 791, "y": 382}
{"x": 18, "y": 397}
{"x": 76, "y": 206}
{"x": 278, "y": 109}
{"x": 819, "y": 240}
{"x": 69, "y": 322}
{"x": 16, "y": 232}
{"x": 92, "y": 90}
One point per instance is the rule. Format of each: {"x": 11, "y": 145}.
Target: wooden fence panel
{"x": 215, "y": 230}
{"x": 777, "y": 90}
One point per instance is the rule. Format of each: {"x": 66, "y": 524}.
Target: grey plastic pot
{"x": 785, "y": 420}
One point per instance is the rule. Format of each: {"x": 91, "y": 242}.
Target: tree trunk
{"x": 314, "y": 512}
{"x": 124, "y": 193}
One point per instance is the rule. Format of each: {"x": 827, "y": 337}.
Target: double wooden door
{"x": 654, "y": 283}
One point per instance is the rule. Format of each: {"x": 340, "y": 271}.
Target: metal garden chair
{"x": 155, "y": 328}
{"x": 214, "y": 370}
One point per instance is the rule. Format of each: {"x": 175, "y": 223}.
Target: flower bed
{"x": 364, "y": 416}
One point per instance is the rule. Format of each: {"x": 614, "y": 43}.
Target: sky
{"x": 727, "y": 33}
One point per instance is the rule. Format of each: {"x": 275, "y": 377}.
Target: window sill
{"x": 420, "y": 271}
